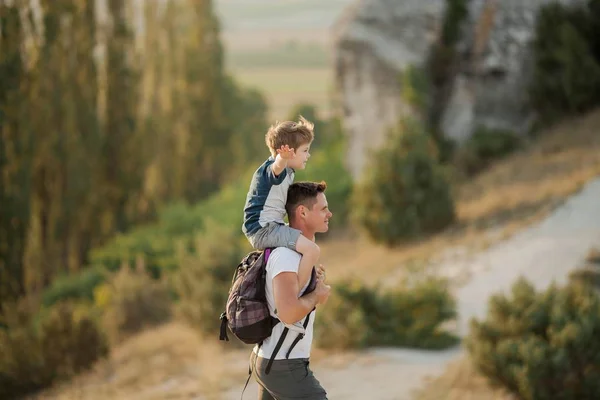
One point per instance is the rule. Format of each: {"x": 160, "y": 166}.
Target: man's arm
{"x": 290, "y": 307}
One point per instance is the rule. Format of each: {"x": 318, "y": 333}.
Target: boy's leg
{"x": 310, "y": 256}
{"x": 276, "y": 235}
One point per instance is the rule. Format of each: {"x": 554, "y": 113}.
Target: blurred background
{"x": 129, "y": 130}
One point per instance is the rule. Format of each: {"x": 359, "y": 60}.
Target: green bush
{"x": 203, "y": 279}
{"x": 38, "y": 350}
{"x": 566, "y": 77}
{"x": 411, "y": 315}
{"x": 589, "y": 273}
{"x": 541, "y": 345}
{"x": 404, "y": 193}
{"x": 328, "y": 164}
{"x": 131, "y": 301}
{"x": 484, "y": 147}
{"x": 78, "y": 286}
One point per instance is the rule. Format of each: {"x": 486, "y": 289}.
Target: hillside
{"x": 172, "y": 362}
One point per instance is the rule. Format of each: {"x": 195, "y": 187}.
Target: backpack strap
{"x": 276, "y": 350}
{"x": 300, "y": 336}
{"x": 223, "y": 331}
{"x": 282, "y": 339}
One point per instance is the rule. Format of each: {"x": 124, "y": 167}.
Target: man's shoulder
{"x": 284, "y": 252}
{"x": 283, "y": 255}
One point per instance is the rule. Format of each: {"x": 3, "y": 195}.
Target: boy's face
{"x": 301, "y": 157}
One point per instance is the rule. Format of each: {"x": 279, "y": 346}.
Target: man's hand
{"x": 286, "y": 153}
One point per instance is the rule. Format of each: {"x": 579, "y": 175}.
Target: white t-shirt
{"x": 281, "y": 260}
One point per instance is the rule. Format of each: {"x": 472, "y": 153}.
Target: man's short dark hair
{"x": 303, "y": 194}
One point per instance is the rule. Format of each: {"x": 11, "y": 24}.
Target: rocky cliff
{"x": 378, "y": 39}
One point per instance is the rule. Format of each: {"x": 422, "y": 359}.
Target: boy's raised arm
{"x": 279, "y": 165}
{"x": 281, "y": 160}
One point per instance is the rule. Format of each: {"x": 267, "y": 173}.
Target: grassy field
{"x": 283, "y": 49}
{"x": 171, "y": 362}
{"x": 286, "y": 87}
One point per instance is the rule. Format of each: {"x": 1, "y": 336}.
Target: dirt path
{"x": 543, "y": 253}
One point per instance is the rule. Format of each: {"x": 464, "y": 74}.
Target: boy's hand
{"x": 320, "y": 269}
{"x": 286, "y": 153}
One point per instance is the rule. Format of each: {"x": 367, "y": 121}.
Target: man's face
{"x": 301, "y": 158}
{"x": 317, "y": 219}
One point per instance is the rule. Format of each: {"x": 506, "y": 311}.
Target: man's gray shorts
{"x": 275, "y": 235}
{"x": 288, "y": 379}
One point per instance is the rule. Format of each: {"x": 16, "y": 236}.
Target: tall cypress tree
{"x": 208, "y": 135}
{"x": 15, "y": 163}
{"x": 123, "y": 167}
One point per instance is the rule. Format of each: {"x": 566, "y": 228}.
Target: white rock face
{"x": 376, "y": 42}
{"x": 494, "y": 71}
{"x": 381, "y": 38}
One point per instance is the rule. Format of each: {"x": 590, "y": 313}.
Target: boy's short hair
{"x": 294, "y": 134}
{"x": 303, "y": 194}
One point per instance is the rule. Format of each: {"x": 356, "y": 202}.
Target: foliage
{"x": 89, "y": 152}
{"x": 35, "y": 354}
{"x": 203, "y": 279}
{"x": 589, "y": 273}
{"x": 404, "y": 193}
{"x": 131, "y": 301}
{"x": 15, "y": 166}
{"x": 566, "y": 77}
{"x": 540, "y": 345}
{"x": 328, "y": 163}
{"x": 74, "y": 286}
{"x": 410, "y": 315}
{"x": 439, "y": 66}
{"x": 484, "y": 147}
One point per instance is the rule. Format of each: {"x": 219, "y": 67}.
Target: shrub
{"x": 541, "y": 345}
{"x": 78, "y": 286}
{"x": 70, "y": 343}
{"x": 156, "y": 244}
{"x": 411, "y": 315}
{"x": 36, "y": 351}
{"x": 328, "y": 164}
{"x": 203, "y": 280}
{"x": 404, "y": 193}
{"x": 132, "y": 301}
{"x": 566, "y": 77}
{"x": 589, "y": 273}
{"x": 484, "y": 147}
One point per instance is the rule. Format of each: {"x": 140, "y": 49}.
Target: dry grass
{"x": 168, "y": 362}
{"x": 461, "y": 382}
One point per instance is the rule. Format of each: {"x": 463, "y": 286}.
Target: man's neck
{"x": 309, "y": 234}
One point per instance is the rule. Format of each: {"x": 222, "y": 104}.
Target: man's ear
{"x": 302, "y": 210}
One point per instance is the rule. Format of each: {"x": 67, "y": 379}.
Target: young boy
{"x": 289, "y": 143}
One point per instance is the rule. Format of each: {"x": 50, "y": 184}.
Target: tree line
{"x": 103, "y": 119}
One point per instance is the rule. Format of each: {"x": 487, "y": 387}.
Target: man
{"x": 290, "y": 377}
